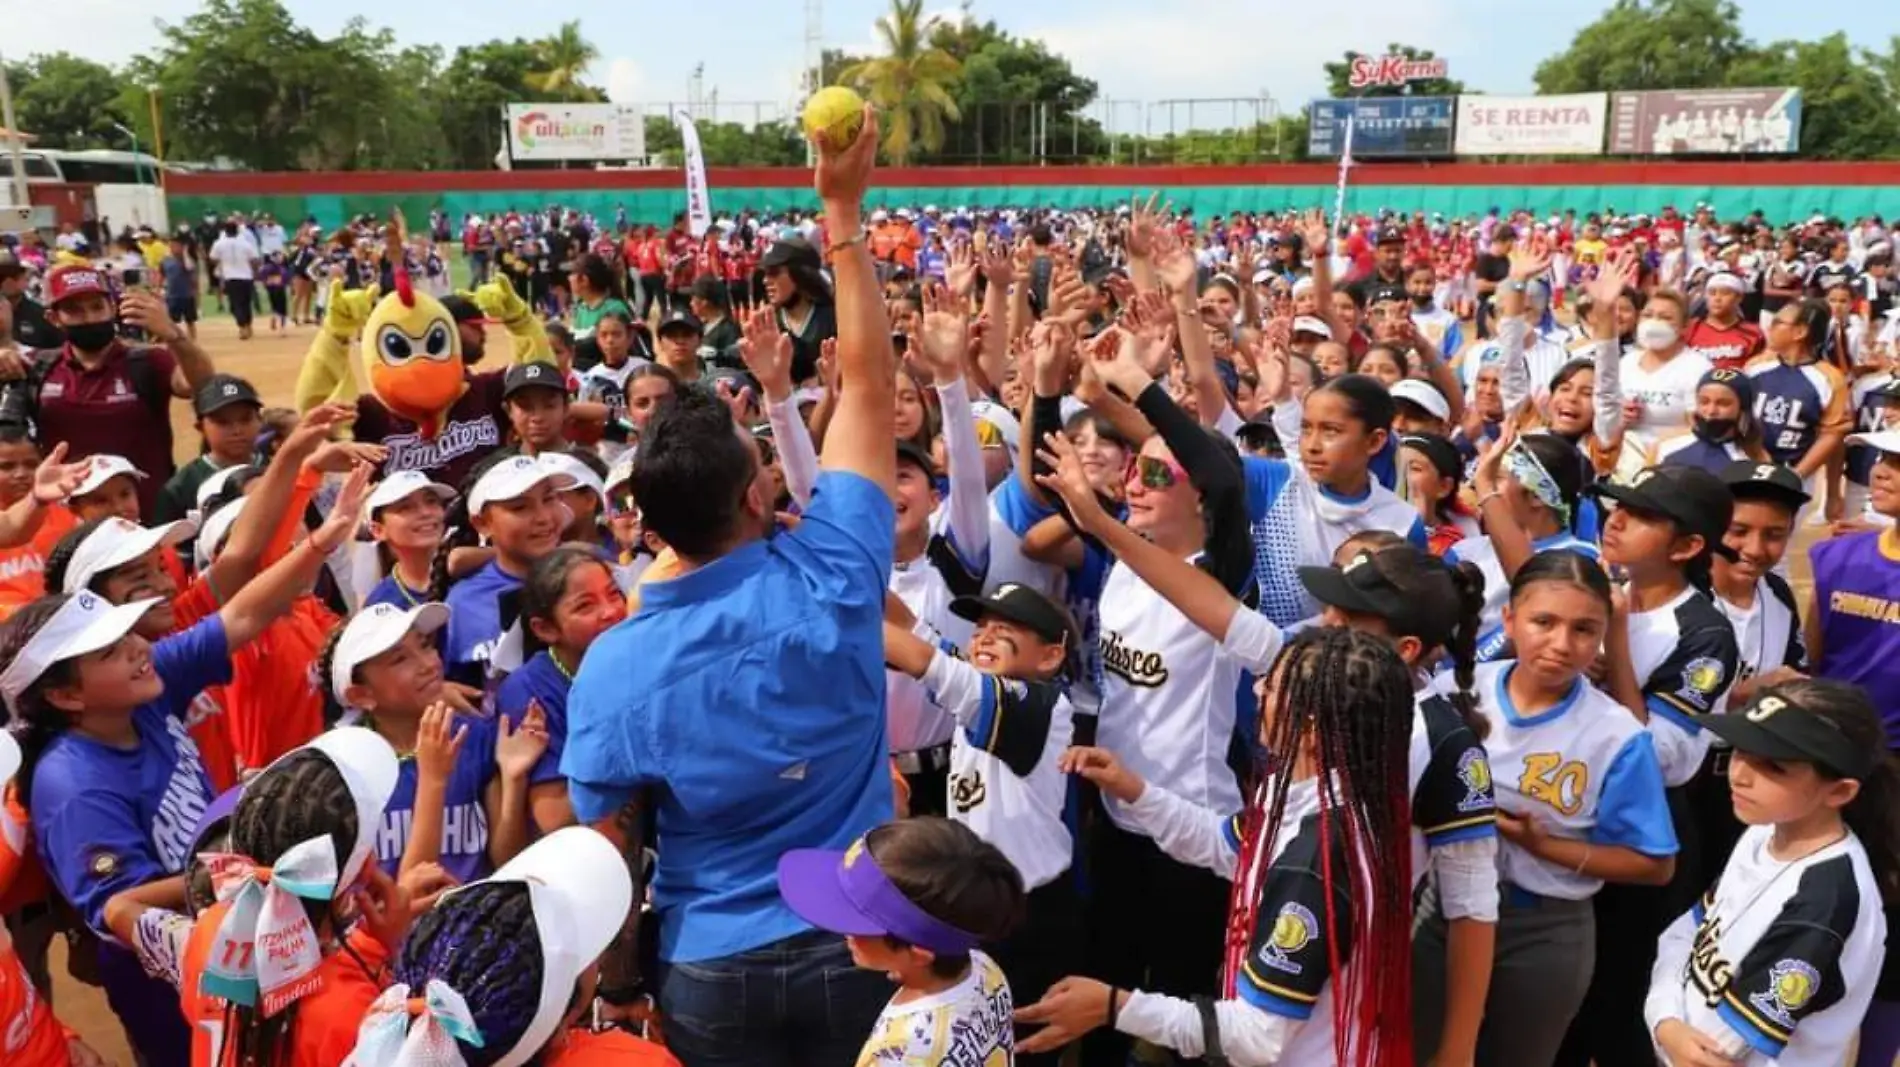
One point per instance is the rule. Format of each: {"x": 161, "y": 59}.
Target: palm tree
{"x": 562, "y": 59}
{"x": 910, "y": 83}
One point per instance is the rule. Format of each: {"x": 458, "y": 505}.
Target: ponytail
{"x": 333, "y": 706}
{"x": 1463, "y": 646}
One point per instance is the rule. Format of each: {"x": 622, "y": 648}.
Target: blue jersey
{"x": 465, "y": 816}
{"x": 475, "y": 622}
{"x": 539, "y": 679}
{"x": 108, "y": 818}
{"x": 1297, "y": 522}
{"x": 1869, "y": 411}
{"x": 393, "y": 592}
{"x": 1794, "y": 404}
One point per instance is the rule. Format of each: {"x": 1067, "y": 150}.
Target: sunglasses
{"x": 1155, "y": 473}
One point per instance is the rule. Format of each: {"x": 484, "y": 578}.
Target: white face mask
{"x": 1655, "y": 334}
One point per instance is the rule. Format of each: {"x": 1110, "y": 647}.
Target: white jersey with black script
{"x": 1778, "y": 961}
{"x": 1168, "y": 696}
{"x": 1003, "y": 778}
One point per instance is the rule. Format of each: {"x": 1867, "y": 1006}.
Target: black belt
{"x": 934, "y": 758}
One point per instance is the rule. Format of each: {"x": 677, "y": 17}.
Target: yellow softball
{"x": 834, "y": 115}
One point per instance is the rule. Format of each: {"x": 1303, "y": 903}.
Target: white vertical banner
{"x": 698, "y": 197}
{"x": 1345, "y": 165}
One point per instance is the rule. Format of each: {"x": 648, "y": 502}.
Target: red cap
{"x": 63, "y": 283}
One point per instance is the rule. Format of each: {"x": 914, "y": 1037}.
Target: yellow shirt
{"x": 665, "y": 567}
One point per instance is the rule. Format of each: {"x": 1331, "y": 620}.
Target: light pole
{"x": 138, "y": 171}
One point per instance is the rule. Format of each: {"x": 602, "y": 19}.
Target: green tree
{"x": 472, "y": 94}
{"x": 1650, "y": 44}
{"x": 1339, "y": 76}
{"x": 1010, "y": 89}
{"x": 910, "y": 83}
{"x": 561, "y": 59}
{"x": 729, "y": 144}
{"x": 1847, "y": 109}
{"x": 69, "y": 102}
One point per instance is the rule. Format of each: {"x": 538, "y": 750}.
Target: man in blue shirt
{"x": 746, "y": 698}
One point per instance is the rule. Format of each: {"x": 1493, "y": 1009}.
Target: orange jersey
{"x": 22, "y": 877}
{"x": 23, "y": 567}
{"x": 327, "y": 1019}
{"x": 31, "y": 1036}
{"x": 610, "y": 1048}
{"x": 272, "y": 703}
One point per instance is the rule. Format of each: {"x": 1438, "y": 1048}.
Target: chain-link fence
{"x": 1030, "y": 132}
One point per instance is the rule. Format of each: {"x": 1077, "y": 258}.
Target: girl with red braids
{"x": 1319, "y": 929}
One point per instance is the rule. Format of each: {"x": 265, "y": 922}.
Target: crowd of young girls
{"x": 1257, "y": 685}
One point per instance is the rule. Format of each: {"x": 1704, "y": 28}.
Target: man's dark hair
{"x": 691, "y": 474}
{"x": 12, "y": 271}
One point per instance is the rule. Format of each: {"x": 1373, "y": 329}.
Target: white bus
{"x": 124, "y": 185}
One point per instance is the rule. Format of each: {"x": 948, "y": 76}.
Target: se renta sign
{"x": 607, "y": 132}
{"x": 1569, "y": 125}
{"x": 1369, "y": 71}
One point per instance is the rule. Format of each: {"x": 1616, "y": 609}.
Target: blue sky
{"x": 1136, "y": 50}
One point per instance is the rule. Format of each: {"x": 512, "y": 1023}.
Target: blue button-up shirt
{"x": 749, "y": 694}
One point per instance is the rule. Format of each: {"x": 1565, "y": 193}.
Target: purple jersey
{"x": 1857, "y": 593}
{"x": 539, "y": 679}
{"x": 465, "y": 820}
{"x": 107, "y": 818}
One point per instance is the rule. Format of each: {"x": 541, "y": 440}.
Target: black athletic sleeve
{"x": 1217, "y": 473}
{"x": 1454, "y": 800}
{"x": 1045, "y": 418}
{"x": 1288, "y": 963}
{"x": 1795, "y": 655}
{"x": 1012, "y": 721}
{"x": 1794, "y": 970}
{"x": 1696, "y": 674}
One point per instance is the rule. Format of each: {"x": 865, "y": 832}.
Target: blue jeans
{"x": 799, "y": 1002}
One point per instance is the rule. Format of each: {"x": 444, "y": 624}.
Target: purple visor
{"x": 846, "y": 893}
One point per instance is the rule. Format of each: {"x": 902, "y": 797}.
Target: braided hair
{"x": 482, "y": 942}
{"x": 1345, "y": 697}
{"x": 460, "y": 527}
{"x": 303, "y": 797}
{"x": 35, "y": 722}
{"x": 333, "y": 706}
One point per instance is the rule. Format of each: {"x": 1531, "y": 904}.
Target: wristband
{"x": 1112, "y": 994}
{"x": 838, "y": 246}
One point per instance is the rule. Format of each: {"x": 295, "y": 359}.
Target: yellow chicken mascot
{"x": 411, "y": 350}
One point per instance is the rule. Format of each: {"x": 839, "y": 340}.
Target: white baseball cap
{"x": 114, "y": 543}
{"x": 622, "y": 470}
{"x": 1001, "y": 418}
{"x": 1727, "y": 281}
{"x": 510, "y": 478}
{"x": 87, "y": 622}
{"x": 374, "y": 631}
{"x": 563, "y": 465}
{"x": 103, "y": 468}
{"x": 215, "y": 529}
{"x": 9, "y": 757}
{"x": 215, "y": 484}
{"x": 1883, "y": 441}
{"x": 1312, "y": 324}
{"x": 580, "y": 891}
{"x": 400, "y": 486}
{"x": 1424, "y": 395}
{"x": 370, "y": 770}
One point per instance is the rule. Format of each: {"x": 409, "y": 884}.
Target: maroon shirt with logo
{"x": 100, "y": 410}
{"x": 475, "y": 427}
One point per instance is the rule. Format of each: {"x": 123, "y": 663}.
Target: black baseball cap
{"x": 1359, "y": 586}
{"x": 680, "y": 319}
{"x": 221, "y": 391}
{"x": 1383, "y": 293}
{"x": 1775, "y": 726}
{"x": 789, "y": 252}
{"x": 1888, "y": 392}
{"x": 712, "y": 290}
{"x": 1697, "y": 501}
{"x": 1390, "y": 236}
{"x": 539, "y": 374}
{"x": 1022, "y": 605}
{"x": 462, "y": 309}
{"x": 909, "y": 452}
{"x": 1749, "y": 480}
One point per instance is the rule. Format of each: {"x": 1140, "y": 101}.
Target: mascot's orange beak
{"x": 422, "y": 387}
